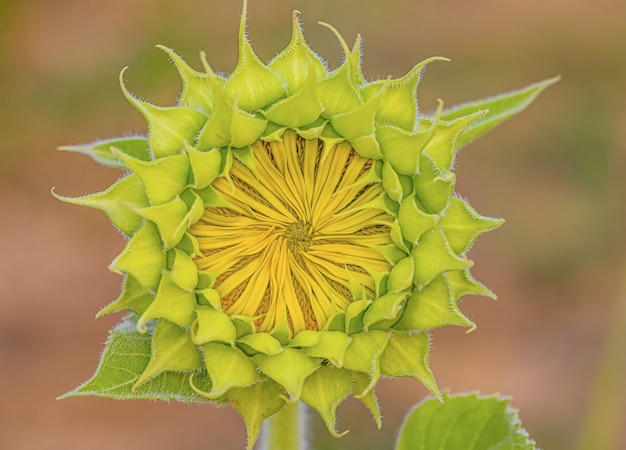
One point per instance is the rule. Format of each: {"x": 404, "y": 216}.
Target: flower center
{"x": 299, "y": 236}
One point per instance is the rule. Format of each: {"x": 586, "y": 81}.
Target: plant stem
{"x": 286, "y": 429}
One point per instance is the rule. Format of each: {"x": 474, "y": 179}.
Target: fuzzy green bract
{"x": 360, "y": 305}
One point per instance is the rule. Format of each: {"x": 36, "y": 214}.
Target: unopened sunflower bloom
{"x": 294, "y": 234}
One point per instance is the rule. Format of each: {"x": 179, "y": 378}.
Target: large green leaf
{"x": 499, "y": 108}
{"x": 125, "y": 358}
{"x": 463, "y": 422}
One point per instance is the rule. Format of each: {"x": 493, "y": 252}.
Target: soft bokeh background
{"x": 557, "y": 173}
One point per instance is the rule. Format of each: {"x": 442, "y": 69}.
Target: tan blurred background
{"x": 557, "y": 173}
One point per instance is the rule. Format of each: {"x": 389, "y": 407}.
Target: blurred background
{"x": 557, "y": 173}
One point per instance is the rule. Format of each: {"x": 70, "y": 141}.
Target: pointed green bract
{"x": 255, "y": 404}
{"x": 300, "y": 367}
{"x": 143, "y": 257}
{"x": 463, "y": 421}
{"x": 368, "y": 180}
{"x": 171, "y": 351}
{"x": 102, "y": 151}
{"x": 324, "y": 390}
{"x": 407, "y": 356}
{"x": 133, "y": 298}
{"x": 118, "y": 202}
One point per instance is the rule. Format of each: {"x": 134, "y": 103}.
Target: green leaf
{"x": 125, "y": 358}
{"x": 500, "y": 107}
{"x": 100, "y": 151}
{"x": 463, "y": 422}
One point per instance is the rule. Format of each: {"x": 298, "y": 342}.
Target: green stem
{"x": 286, "y": 429}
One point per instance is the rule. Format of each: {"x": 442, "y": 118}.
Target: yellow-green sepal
{"x": 462, "y": 284}
{"x": 171, "y": 351}
{"x": 432, "y": 307}
{"x": 175, "y": 217}
{"x": 324, "y": 391}
{"x": 337, "y": 93}
{"x": 402, "y": 149}
{"x": 160, "y": 189}
{"x": 118, "y": 202}
{"x": 143, "y": 257}
{"x": 255, "y": 404}
{"x": 212, "y": 325}
{"x": 399, "y": 104}
{"x": 299, "y": 109}
{"x": 196, "y": 92}
{"x": 228, "y": 368}
{"x": 401, "y": 275}
{"x": 363, "y": 355}
{"x": 357, "y": 126}
{"x": 205, "y": 166}
{"x": 413, "y": 221}
{"x": 432, "y": 256}
{"x": 252, "y": 83}
{"x": 259, "y": 342}
{"x": 297, "y": 63}
{"x": 230, "y": 124}
{"x": 433, "y": 185}
{"x": 367, "y": 396}
{"x": 354, "y": 316}
{"x": 331, "y": 346}
{"x": 217, "y": 131}
{"x": 406, "y": 355}
{"x": 462, "y": 225}
{"x": 184, "y": 271}
{"x": 168, "y": 127}
{"x": 391, "y": 183}
{"x": 443, "y": 145}
{"x": 168, "y": 217}
{"x": 300, "y": 367}
{"x": 133, "y": 298}
{"x": 171, "y": 303}
{"x": 384, "y": 311}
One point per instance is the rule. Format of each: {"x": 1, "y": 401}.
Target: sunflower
{"x": 293, "y": 234}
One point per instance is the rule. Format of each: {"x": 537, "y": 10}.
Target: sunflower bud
{"x": 294, "y": 234}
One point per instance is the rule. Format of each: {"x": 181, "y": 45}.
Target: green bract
{"x": 293, "y": 234}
